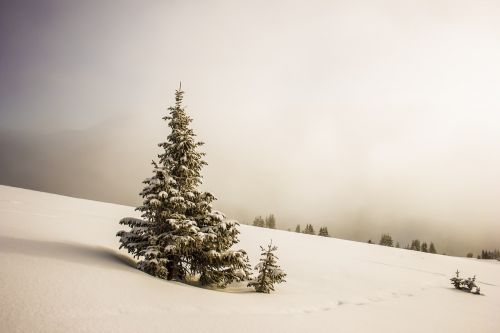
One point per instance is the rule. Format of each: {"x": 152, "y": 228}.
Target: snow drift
{"x": 61, "y": 271}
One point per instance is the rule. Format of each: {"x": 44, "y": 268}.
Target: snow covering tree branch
{"x": 180, "y": 233}
{"x": 269, "y": 271}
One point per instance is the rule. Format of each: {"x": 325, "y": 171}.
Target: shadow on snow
{"x": 67, "y": 251}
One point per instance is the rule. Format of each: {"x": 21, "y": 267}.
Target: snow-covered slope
{"x": 60, "y": 271}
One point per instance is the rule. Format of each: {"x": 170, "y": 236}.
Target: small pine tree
{"x": 269, "y": 272}
{"x": 323, "y": 231}
{"x": 468, "y": 285}
{"x": 370, "y": 241}
{"x": 432, "y": 248}
{"x": 415, "y": 245}
{"x": 271, "y": 222}
{"x": 386, "y": 240}
{"x": 397, "y": 245}
{"x": 423, "y": 248}
{"x": 309, "y": 229}
{"x": 297, "y": 228}
{"x": 214, "y": 260}
{"x": 259, "y": 222}
{"x": 456, "y": 281}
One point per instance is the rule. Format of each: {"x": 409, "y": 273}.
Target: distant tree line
{"x": 386, "y": 240}
{"x": 485, "y": 254}
{"x": 309, "y": 230}
{"x": 268, "y": 222}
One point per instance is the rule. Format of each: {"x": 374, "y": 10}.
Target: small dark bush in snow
{"x": 468, "y": 284}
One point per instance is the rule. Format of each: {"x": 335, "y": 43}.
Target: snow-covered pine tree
{"x": 468, "y": 284}
{"x": 177, "y": 234}
{"x": 208, "y": 251}
{"x": 180, "y": 232}
{"x": 323, "y": 231}
{"x": 456, "y": 280}
{"x": 216, "y": 263}
{"x": 142, "y": 241}
{"x": 269, "y": 271}
{"x": 297, "y": 228}
{"x": 171, "y": 232}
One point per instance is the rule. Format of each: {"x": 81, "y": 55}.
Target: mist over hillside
{"x": 108, "y": 162}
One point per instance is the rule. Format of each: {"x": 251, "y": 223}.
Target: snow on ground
{"x": 61, "y": 271}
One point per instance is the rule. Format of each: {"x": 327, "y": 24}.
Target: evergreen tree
{"x": 180, "y": 232}
{"x": 415, "y": 245}
{"x": 214, "y": 260}
{"x": 297, "y": 228}
{"x": 468, "y": 284}
{"x": 457, "y": 280}
{"x": 432, "y": 248}
{"x": 162, "y": 228}
{"x": 142, "y": 241}
{"x": 323, "y": 231}
{"x": 386, "y": 240}
{"x": 370, "y": 241}
{"x": 309, "y": 229}
{"x": 269, "y": 272}
{"x": 397, "y": 245}
{"x": 487, "y": 254}
{"x": 259, "y": 222}
{"x": 181, "y": 235}
{"x": 423, "y": 248}
{"x": 271, "y": 222}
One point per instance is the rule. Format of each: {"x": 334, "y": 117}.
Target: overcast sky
{"x": 365, "y": 116}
